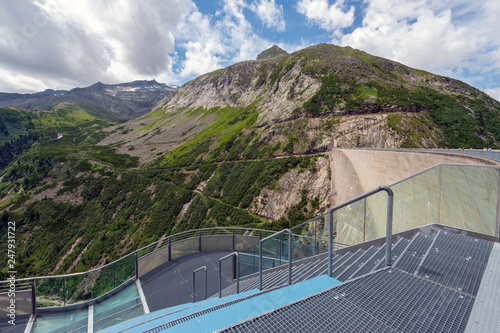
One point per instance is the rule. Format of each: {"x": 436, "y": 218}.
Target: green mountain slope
{"x": 241, "y": 146}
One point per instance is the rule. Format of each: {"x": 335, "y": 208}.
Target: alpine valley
{"x": 90, "y": 175}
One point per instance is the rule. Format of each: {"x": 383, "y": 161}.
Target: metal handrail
{"x": 388, "y": 244}
{"x": 202, "y": 268}
{"x": 71, "y": 274}
{"x": 196, "y": 231}
{"x": 290, "y": 245}
{"x": 237, "y": 265}
{"x": 308, "y": 221}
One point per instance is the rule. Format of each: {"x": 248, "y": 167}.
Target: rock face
{"x": 273, "y": 203}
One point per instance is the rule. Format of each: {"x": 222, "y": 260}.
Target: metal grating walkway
{"x": 456, "y": 261}
{"x": 485, "y": 316}
{"x": 370, "y": 304}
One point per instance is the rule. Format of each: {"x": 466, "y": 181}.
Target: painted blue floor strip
{"x": 254, "y": 306}
{"x": 240, "y": 311}
{"x": 141, "y": 323}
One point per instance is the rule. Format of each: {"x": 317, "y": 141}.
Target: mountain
{"x": 273, "y": 51}
{"x": 245, "y": 146}
{"x": 317, "y": 97}
{"x": 114, "y": 102}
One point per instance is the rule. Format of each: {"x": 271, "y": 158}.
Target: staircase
{"x": 431, "y": 286}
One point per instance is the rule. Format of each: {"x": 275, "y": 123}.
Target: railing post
{"x": 136, "y": 266}
{"x": 315, "y": 240}
{"x": 388, "y": 236}
{"x": 220, "y": 279}
{"x": 204, "y": 268}
{"x": 281, "y": 248}
{"x": 206, "y": 283}
{"x": 169, "y": 248}
{"x": 234, "y": 241}
{"x": 330, "y": 242}
{"x": 199, "y": 242}
{"x": 33, "y": 297}
{"x": 236, "y": 267}
{"x": 290, "y": 249}
{"x": 260, "y": 264}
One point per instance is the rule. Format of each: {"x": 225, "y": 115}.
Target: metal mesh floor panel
{"x": 177, "y": 321}
{"x": 412, "y": 256}
{"x": 453, "y": 271}
{"x": 485, "y": 313}
{"x": 456, "y": 261}
{"x": 370, "y": 304}
{"x": 464, "y": 246}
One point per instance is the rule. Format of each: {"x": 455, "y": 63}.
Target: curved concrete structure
{"x": 356, "y": 171}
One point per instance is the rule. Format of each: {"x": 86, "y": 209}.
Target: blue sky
{"x": 62, "y": 44}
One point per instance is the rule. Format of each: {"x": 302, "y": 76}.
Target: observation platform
{"x": 441, "y": 280}
{"x": 444, "y": 276}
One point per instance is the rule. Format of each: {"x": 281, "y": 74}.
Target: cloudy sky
{"x": 63, "y": 44}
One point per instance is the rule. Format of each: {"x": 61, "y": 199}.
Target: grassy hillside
{"x": 241, "y": 146}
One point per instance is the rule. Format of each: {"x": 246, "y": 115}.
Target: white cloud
{"x": 328, "y": 17}
{"x": 493, "y": 92}
{"x": 451, "y": 37}
{"x": 88, "y": 41}
{"x": 212, "y": 42}
{"x": 428, "y": 41}
{"x": 13, "y": 81}
{"x": 270, "y": 14}
{"x": 238, "y": 32}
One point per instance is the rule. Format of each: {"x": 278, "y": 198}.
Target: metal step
{"x": 357, "y": 264}
{"x": 337, "y": 271}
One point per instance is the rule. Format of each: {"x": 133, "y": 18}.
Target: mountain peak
{"x": 271, "y": 52}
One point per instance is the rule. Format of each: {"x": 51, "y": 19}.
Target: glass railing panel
{"x": 114, "y": 275}
{"x": 118, "y": 308}
{"x": 416, "y": 201}
{"x": 349, "y": 223}
{"x": 22, "y": 296}
{"x": 217, "y": 243}
{"x": 106, "y": 281}
{"x": 228, "y": 274}
{"x": 124, "y": 269}
{"x": 62, "y": 322}
{"x": 375, "y": 216}
{"x": 153, "y": 259}
{"x": 469, "y": 197}
{"x": 247, "y": 243}
{"x": 311, "y": 238}
{"x": 50, "y": 292}
{"x": 249, "y": 263}
{"x": 185, "y": 247}
{"x": 275, "y": 251}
